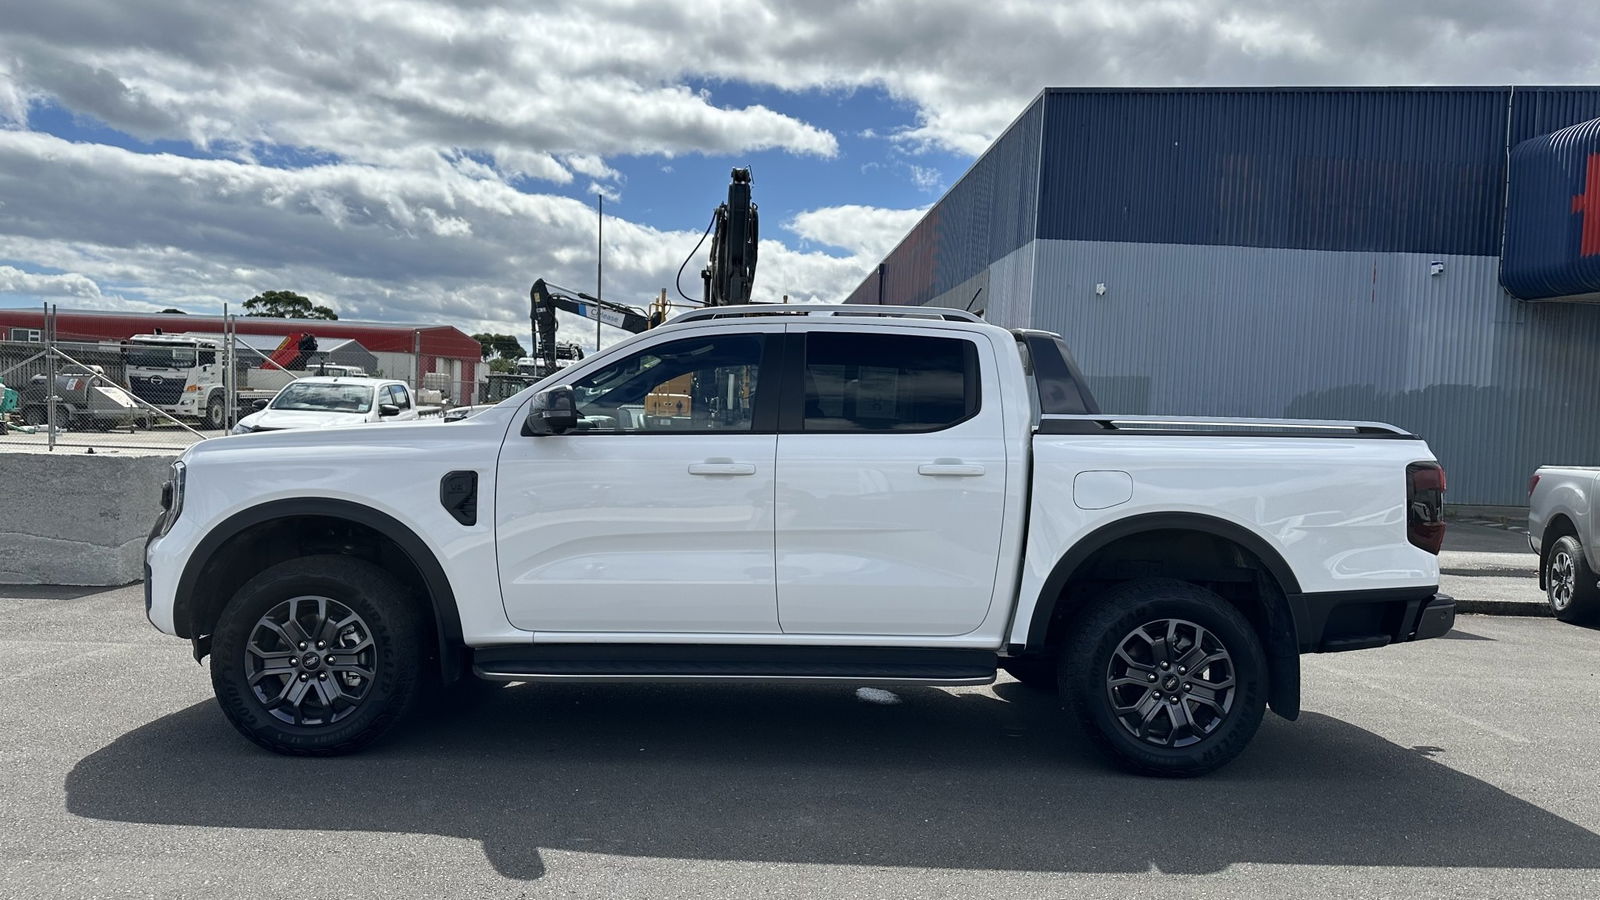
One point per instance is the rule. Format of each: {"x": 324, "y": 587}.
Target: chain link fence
{"x": 163, "y": 393}
{"x": 78, "y": 394}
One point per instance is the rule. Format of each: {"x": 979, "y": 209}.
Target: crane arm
{"x": 546, "y": 300}
{"x": 732, "y": 271}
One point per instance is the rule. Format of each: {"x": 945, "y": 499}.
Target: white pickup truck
{"x": 1564, "y": 529}
{"x": 864, "y": 495}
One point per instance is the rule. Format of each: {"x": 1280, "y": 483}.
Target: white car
{"x": 843, "y": 494}
{"x": 330, "y": 402}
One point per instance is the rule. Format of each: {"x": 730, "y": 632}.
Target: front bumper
{"x": 1359, "y": 620}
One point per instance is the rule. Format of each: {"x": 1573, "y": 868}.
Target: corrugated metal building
{"x": 1318, "y": 253}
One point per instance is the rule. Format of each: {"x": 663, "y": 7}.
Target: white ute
{"x": 863, "y": 495}
{"x": 328, "y": 402}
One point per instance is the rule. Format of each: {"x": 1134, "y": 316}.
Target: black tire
{"x": 36, "y": 416}
{"x": 215, "y": 418}
{"x": 1208, "y": 738}
{"x": 1570, "y": 585}
{"x": 387, "y": 614}
{"x": 1037, "y": 672}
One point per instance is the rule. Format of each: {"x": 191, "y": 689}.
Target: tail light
{"x": 1533, "y": 482}
{"x": 1425, "y": 505}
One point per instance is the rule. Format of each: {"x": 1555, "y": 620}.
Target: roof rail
{"x": 825, "y": 309}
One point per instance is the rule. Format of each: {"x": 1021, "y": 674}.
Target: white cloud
{"x": 868, "y": 232}
{"x": 425, "y": 112}
{"x": 71, "y": 284}
{"x": 376, "y": 243}
{"x": 593, "y": 166}
{"x": 538, "y": 81}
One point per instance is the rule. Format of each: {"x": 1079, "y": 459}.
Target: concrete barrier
{"x": 71, "y": 517}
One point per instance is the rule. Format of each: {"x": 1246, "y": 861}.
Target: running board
{"x": 733, "y": 662}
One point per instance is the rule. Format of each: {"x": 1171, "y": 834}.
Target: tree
{"x": 171, "y": 311}
{"x": 506, "y": 346}
{"x": 502, "y": 365}
{"x": 286, "y": 305}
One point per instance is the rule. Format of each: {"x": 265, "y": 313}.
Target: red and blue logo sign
{"x": 1552, "y": 229}
{"x": 1587, "y": 204}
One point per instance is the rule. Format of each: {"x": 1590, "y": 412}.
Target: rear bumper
{"x": 1359, "y": 620}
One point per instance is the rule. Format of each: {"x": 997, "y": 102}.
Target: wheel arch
{"x": 191, "y": 608}
{"x": 1559, "y": 526}
{"x": 1276, "y": 586}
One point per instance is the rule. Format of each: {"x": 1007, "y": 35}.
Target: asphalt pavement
{"x": 1465, "y": 765}
{"x": 1489, "y": 568}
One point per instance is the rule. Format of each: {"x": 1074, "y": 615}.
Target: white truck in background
{"x": 1564, "y": 529}
{"x": 184, "y": 376}
{"x": 181, "y": 375}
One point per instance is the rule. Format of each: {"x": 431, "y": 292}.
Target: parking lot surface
{"x": 1466, "y": 765}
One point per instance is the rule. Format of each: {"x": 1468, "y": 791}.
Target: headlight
{"x": 172, "y": 496}
{"x": 241, "y": 428}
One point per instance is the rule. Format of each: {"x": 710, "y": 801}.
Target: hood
{"x": 279, "y": 419}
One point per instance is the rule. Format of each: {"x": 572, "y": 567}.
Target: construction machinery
{"x": 547, "y": 298}
{"x": 732, "y": 271}
{"x": 729, "y": 277}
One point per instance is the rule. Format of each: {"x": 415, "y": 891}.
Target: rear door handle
{"x": 950, "y": 467}
{"x": 721, "y": 467}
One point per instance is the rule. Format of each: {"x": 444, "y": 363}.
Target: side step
{"x": 728, "y": 662}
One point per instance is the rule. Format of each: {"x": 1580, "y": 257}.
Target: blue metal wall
{"x": 1553, "y": 218}
{"x": 1418, "y": 170}
{"x": 1392, "y": 170}
{"x": 991, "y": 211}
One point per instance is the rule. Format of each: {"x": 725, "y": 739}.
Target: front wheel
{"x": 1167, "y": 677}
{"x": 1570, "y": 585}
{"x": 318, "y": 656}
{"x": 214, "y": 415}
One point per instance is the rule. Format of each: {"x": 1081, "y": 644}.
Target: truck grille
{"x": 156, "y": 389}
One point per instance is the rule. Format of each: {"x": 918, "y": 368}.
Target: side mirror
{"x": 385, "y": 410}
{"x": 553, "y": 411}
{"x": 260, "y": 404}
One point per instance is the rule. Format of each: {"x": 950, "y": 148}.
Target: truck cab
{"x": 180, "y": 375}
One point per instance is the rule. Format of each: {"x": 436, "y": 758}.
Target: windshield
{"x": 344, "y": 398}
{"x": 161, "y": 357}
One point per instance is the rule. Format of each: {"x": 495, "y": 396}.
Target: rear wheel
{"x": 35, "y": 415}
{"x": 1167, "y": 678}
{"x": 1570, "y": 585}
{"x": 318, "y": 656}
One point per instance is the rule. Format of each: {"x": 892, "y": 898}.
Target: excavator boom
{"x": 732, "y": 271}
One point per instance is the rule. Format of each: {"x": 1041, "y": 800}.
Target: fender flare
{"x": 446, "y": 615}
{"x": 1283, "y": 657}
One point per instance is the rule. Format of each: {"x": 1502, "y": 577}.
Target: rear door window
{"x": 876, "y": 383}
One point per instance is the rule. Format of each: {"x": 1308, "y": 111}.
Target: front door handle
{"x": 950, "y": 467}
{"x": 721, "y": 467}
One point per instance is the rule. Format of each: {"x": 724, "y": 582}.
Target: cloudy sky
{"x": 426, "y": 160}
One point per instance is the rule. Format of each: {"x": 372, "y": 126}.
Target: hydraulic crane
{"x": 546, "y": 299}
{"x": 728, "y": 278}
{"x": 732, "y": 270}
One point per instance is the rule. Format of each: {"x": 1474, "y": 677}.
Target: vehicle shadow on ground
{"x": 967, "y": 780}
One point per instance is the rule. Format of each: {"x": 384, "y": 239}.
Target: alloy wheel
{"x": 310, "y": 661}
{"x": 1171, "y": 683}
{"x": 1563, "y": 580}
